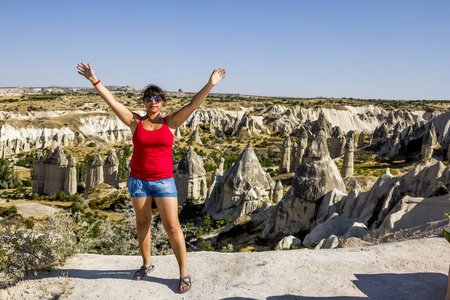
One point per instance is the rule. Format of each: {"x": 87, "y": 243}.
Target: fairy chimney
{"x": 70, "y": 179}
{"x": 111, "y": 170}
{"x": 94, "y": 174}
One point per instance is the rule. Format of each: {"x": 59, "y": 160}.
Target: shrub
{"x": 365, "y": 157}
{"x": 26, "y": 250}
{"x": 205, "y": 246}
{"x": 209, "y": 167}
{"x": 8, "y": 211}
{"x": 92, "y": 144}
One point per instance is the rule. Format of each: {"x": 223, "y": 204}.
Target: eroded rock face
{"x": 415, "y": 211}
{"x": 347, "y": 165}
{"x": 190, "y": 177}
{"x": 38, "y": 173}
{"x": 334, "y": 226}
{"x": 285, "y": 165}
{"x": 70, "y": 180}
{"x": 426, "y": 179}
{"x": 288, "y": 242}
{"x": 429, "y": 142}
{"x": 337, "y": 142}
{"x": 316, "y": 176}
{"x": 242, "y": 188}
{"x": 111, "y": 170}
{"x": 94, "y": 174}
{"x": 197, "y": 137}
{"x": 380, "y": 134}
{"x": 55, "y": 172}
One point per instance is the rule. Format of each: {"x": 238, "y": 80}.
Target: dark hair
{"x": 152, "y": 91}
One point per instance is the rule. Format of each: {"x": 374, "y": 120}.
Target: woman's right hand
{"x": 87, "y": 72}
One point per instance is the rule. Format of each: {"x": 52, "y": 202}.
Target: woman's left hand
{"x": 217, "y": 75}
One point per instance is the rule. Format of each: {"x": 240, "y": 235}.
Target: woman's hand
{"x": 87, "y": 72}
{"x": 216, "y": 76}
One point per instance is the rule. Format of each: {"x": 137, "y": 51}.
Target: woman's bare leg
{"x": 143, "y": 209}
{"x": 168, "y": 211}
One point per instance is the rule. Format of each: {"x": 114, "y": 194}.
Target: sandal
{"x": 142, "y": 272}
{"x": 185, "y": 281}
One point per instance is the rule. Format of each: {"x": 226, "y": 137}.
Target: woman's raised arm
{"x": 176, "y": 119}
{"x": 125, "y": 115}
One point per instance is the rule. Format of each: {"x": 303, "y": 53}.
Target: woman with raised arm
{"x": 151, "y": 175}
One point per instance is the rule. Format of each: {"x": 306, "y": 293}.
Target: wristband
{"x": 96, "y": 82}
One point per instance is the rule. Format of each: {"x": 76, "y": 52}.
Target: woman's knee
{"x": 143, "y": 222}
{"x": 173, "y": 228}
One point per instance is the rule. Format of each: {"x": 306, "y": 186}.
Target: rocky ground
{"x": 414, "y": 269}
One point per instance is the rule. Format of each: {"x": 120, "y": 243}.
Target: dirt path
{"x": 415, "y": 269}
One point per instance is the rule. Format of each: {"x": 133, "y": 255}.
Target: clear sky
{"x": 386, "y": 49}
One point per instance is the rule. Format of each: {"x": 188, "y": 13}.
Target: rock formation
{"x": 316, "y": 176}
{"x": 94, "y": 174}
{"x": 278, "y": 192}
{"x": 415, "y": 211}
{"x": 242, "y": 188}
{"x": 55, "y": 172}
{"x": 111, "y": 170}
{"x": 429, "y": 142}
{"x": 337, "y": 142}
{"x": 347, "y": 164}
{"x": 288, "y": 242}
{"x": 285, "y": 164}
{"x": 302, "y": 144}
{"x": 380, "y": 134}
{"x": 336, "y": 226}
{"x": 70, "y": 179}
{"x": 197, "y": 137}
{"x": 190, "y": 177}
{"x": 178, "y": 133}
{"x": 38, "y": 173}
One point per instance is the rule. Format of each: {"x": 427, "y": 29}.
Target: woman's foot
{"x": 142, "y": 272}
{"x": 185, "y": 284}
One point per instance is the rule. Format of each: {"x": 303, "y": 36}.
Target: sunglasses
{"x": 157, "y": 99}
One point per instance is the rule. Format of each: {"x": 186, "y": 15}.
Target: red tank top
{"x": 152, "y": 153}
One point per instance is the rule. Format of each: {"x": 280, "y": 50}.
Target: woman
{"x": 151, "y": 175}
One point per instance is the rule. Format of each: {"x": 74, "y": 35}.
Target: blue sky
{"x": 384, "y": 49}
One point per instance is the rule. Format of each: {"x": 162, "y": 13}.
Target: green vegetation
{"x": 446, "y": 231}
{"x": 8, "y": 178}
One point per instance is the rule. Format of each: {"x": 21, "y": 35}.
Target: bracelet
{"x": 96, "y": 82}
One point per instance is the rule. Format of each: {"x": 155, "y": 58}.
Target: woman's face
{"x": 153, "y": 104}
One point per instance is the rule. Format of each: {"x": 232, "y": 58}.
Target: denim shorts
{"x": 156, "y": 188}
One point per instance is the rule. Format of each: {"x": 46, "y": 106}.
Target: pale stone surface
{"x": 316, "y": 176}
{"x": 55, "y": 172}
{"x": 190, "y": 177}
{"x": 197, "y": 137}
{"x": 429, "y": 142}
{"x": 38, "y": 173}
{"x": 395, "y": 142}
{"x": 288, "y": 242}
{"x": 414, "y": 270}
{"x": 70, "y": 180}
{"x": 178, "y": 133}
{"x": 111, "y": 170}
{"x": 330, "y": 204}
{"x": 242, "y": 188}
{"x": 337, "y": 142}
{"x": 302, "y": 144}
{"x": 278, "y": 192}
{"x": 285, "y": 164}
{"x": 415, "y": 211}
{"x": 94, "y": 174}
{"x": 335, "y": 225}
{"x": 380, "y": 134}
{"x": 347, "y": 165}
